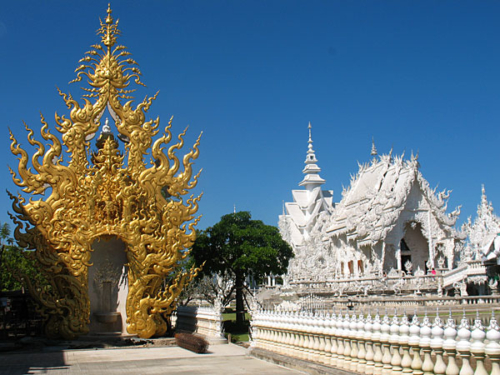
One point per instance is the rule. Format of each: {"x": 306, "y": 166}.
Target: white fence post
{"x": 449, "y": 346}
{"x": 477, "y": 346}
{"x": 493, "y": 347}
{"x": 437, "y": 345}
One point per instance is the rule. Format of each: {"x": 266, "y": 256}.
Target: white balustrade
{"x": 203, "y": 320}
{"x": 373, "y": 347}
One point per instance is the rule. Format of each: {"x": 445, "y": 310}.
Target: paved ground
{"x": 221, "y": 359}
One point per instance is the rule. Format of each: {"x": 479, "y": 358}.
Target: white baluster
{"x": 333, "y": 350}
{"x": 361, "y": 344}
{"x": 319, "y": 344}
{"x": 313, "y": 339}
{"x": 414, "y": 342}
{"x": 449, "y": 346}
{"x": 477, "y": 346}
{"x": 288, "y": 335}
{"x": 385, "y": 329}
{"x": 378, "y": 355}
{"x": 394, "y": 341}
{"x": 353, "y": 334}
{"x": 261, "y": 330}
{"x": 299, "y": 337}
{"x": 404, "y": 330}
{"x": 347, "y": 342}
{"x": 437, "y": 345}
{"x": 303, "y": 336}
{"x": 493, "y": 347}
{"x": 425, "y": 344}
{"x": 340, "y": 341}
{"x": 280, "y": 334}
{"x": 327, "y": 337}
{"x": 370, "y": 364}
{"x": 463, "y": 346}
{"x": 310, "y": 338}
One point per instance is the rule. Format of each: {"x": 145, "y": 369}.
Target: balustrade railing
{"x": 380, "y": 345}
{"x": 205, "y": 321}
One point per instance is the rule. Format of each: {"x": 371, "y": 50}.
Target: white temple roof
{"x": 377, "y": 195}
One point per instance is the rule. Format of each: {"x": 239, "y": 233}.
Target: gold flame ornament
{"x": 98, "y": 194}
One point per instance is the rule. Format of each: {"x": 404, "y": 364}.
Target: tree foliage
{"x": 241, "y": 247}
{"x": 14, "y": 265}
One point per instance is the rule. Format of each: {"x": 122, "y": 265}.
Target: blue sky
{"x": 414, "y": 75}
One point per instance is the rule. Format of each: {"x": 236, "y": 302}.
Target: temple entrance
{"x": 108, "y": 286}
{"x": 405, "y": 257}
{"x": 414, "y": 248}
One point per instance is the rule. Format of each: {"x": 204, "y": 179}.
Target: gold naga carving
{"x": 106, "y": 193}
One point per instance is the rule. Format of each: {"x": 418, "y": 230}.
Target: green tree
{"x": 242, "y": 247}
{"x": 14, "y": 265}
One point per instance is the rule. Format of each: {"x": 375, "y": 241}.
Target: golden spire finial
{"x": 109, "y": 30}
{"x": 109, "y": 19}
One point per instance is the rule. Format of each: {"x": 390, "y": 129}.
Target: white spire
{"x": 311, "y": 170}
{"x": 374, "y": 152}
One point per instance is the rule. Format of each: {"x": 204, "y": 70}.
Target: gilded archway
{"x": 104, "y": 193}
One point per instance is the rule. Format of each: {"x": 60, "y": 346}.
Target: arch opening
{"x": 108, "y": 286}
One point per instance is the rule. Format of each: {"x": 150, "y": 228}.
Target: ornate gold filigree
{"x": 99, "y": 194}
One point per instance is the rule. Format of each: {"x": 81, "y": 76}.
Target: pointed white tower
{"x": 301, "y": 217}
{"x": 483, "y": 233}
{"x": 311, "y": 170}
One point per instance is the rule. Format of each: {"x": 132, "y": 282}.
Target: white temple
{"x": 483, "y": 235}
{"x": 388, "y": 222}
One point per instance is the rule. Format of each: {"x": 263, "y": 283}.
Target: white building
{"x": 483, "y": 235}
{"x": 388, "y": 221}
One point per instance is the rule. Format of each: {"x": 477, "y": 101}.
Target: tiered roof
{"x": 377, "y": 195}
{"x": 301, "y": 214}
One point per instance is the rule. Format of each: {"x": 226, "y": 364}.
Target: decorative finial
{"x": 109, "y": 30}
{"x": 310, "y": 137}
{"x": 374, "y": 149}
{"x": 109, "y": 19}
{"x": 374, "y": 152}
{"x": 311, "y": 170}
{"x": 484, "y": 199}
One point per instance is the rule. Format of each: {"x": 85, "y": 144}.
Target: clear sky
{"x": 414, "y": 75}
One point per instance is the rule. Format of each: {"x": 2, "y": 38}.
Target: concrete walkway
{"x": 221, "y": 359}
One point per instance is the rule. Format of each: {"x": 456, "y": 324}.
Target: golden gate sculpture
{"x": 104, "y": 194}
